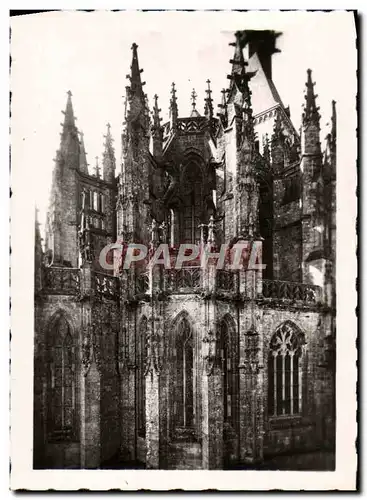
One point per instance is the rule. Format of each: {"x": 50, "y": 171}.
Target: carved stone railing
{"x": 61, "y": 280}
{"x": 192, "y": 125}
{"x": 226, "y": 280}
{"x": 290, "y": 291}
{"x": 184, "y": 280}
{"x": 106, "y": 285}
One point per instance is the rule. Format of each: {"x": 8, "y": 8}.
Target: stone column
{"x": 212, "y": 390}
{"x": 152, "y": 419}
{"x": 251, "y": 377}
{"x": 90, "y": 379}
{"x": 212, "y": 419}
{"x": 90, "y": 432}
{"x": 128, "y": 388}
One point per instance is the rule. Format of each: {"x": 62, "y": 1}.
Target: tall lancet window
{"x": 285, "y": 371}
{"x": 61, "y": 382}
{"x": 141, "y": 352}
{"x": 184, "y": 383}
{"x": 192, "y": 202}
{"x": 229, "y": 363}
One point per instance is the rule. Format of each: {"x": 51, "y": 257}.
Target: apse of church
{"x": 198, "y": 366}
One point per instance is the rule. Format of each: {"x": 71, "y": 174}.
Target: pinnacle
{"x": 136, "y": 85}
{"x": 173, "y": 109}
{"x": 311, "y": 111}
{"x": 194, "y": 111}
{"x": 209, "y": 101}
{"x": 69, "y": 120}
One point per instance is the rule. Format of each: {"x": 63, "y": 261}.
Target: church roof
{"x": 264, "y": 93}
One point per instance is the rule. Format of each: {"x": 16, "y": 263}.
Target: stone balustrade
{"x": 61, "y": 280}
{"x": 290, "y": 291}
{"x": 184, "y": 280}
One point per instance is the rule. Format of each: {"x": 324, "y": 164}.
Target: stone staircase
{"x": 185, "y": 455}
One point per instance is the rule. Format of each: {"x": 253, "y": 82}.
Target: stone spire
{"x": 194, "y": 111}
{"x": 173, "y": 109}
{"x": 157, "y": 132}
{"x": 83, "y": 164}
{"x": 136, "y": 85}
{"x": 239, "y": 76}
{"x": 311, "y": 112}
{"x": 208, "y": 110}
{"x": 310, "y": 120}
{"x": 108, "y": 160}
{"x": 69, "y": 134}
{"x": 69, "y": 120}
{"x": 239, "y": 96}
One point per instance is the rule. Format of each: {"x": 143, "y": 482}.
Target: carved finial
{"x": 173, "y": 109}
{"x": 194, "y": 111}
{"x": 193, "y": 98}
{"x": 311, "y": 111}
{"x": 209, "y": 112}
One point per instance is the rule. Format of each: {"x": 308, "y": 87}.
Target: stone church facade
{"x": 199, "y": 367}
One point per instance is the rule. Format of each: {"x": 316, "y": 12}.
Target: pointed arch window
{"x": 229, "y": 363}
{"x": 141, "y": 361}
{"x": 184, "y": 380}
{"x": 61, "y": 382}
{"x": 285, "y": 371}
{"x": 192, "y": 200}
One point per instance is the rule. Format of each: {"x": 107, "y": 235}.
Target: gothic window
{"x": 285, "y": 371}
{"x": 91, "y": 199}
{"x": 184, "y": 380}
{"x": 229, "y": 362}
{"x": 101, "y": 203}
{"x": 95, "y": 201}
{"x": 61, "y": 381}
{"x": 141, "y": 360}
{"x": 192, "y": 199}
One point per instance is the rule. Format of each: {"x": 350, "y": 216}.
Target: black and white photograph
{"x": 188, "y": 295}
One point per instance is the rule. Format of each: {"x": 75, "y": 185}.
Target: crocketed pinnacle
{"x": 156, "y": 117}
{"x": 69, "y": 120}
{"x": 173, "y": 109}
{"x": 208, "y": 110}
{"x": 108, "y": 144}
{"x": 83, "y": 164}
{"x": 194, "y": 111}
{"x": 136, "y": 85}
{"x": 311, "y": 111}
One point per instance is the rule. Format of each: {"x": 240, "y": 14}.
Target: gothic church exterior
{"x": 199, "y": 367}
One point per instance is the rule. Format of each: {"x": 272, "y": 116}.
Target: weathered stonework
{"x": 177, "y": 369}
